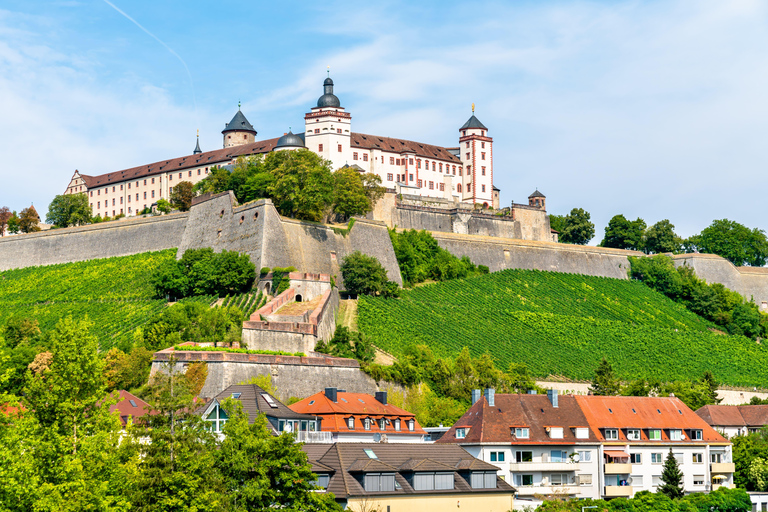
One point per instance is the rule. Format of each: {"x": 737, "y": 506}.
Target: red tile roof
{"x": 495, "y": 424}
{"x": 622, "y": 412}
{"x": 358, "y": 405}
{"x": 363, "y": 141}
{"x": 129, "y": 405}
{"x": 734, "y": 415}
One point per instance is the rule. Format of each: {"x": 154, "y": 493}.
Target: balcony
{"x": 618, "y": 491}
{"x": 314, "y": 437}
{"x": 723, "y": 467}
{"x": 543, "y": 466}
{"x": 547, "y": 490}
{"x": 618, "y": 469}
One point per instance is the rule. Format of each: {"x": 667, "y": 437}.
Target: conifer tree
{"x": 671, "y": 478}
{"x": 605, "y": 382}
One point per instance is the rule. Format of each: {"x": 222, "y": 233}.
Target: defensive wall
{"x": 751, "y": 282}
{"x": 291, "y": 375}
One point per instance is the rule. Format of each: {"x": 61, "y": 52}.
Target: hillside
{"x": 115, "y": 293}
{"x": 562, "y": 324}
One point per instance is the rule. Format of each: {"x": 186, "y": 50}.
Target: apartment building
{"x": 735, "y": 420}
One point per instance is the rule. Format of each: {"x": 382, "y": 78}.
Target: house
{"x": 542, "y": 444}
{"x": 414, "y": 477}
{"x": 255, "y": 401}
{"x": 130, "y": 407}
{"x": 358, "y": 417}
{"x": 637, "y": 433}
{"x": 735, "y": 420}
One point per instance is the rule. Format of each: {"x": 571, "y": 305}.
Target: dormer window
{"x": 611, "y": 434}
{"x": 654, "y": 434}
{"x": 382, "y": 424}
{"x": 397, "y": 425}
{"x": 367, "y": 423}
{"x": 522, "y": 432}
{"x": 696, "y": 435}
{"x": 633, "y": 434}
{"x": 582, "y": 433}
{"x": 461, "y": 433}
{"x": 351, "y": 423}
{"x": 411, "y": 425}
{"x": 675, "y": 434}
{"x": 556, "y": 432}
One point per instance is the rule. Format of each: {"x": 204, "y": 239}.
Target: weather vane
{"x": 329, "y": 71}
{"x": 473, "y": 108}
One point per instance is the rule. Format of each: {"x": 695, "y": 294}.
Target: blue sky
{"x": 650, "y": 109}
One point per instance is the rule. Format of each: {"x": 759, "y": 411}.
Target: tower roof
{"x": 536, "y": 193}
{"x": 290, "y": 140}
{"x": 239, "y": 123}
{"x": 328, "y": 99}
{"x": 197, "y": 150}
{"x": 473, "y": 122}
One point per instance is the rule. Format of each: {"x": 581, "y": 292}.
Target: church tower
{"x": 328, "y": 128}
{"x": 476, "y": 153}
{"x": 238, "y": 131}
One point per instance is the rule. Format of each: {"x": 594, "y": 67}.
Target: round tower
{"x": 238, "y": 131}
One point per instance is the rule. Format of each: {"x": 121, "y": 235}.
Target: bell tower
{"x": 476, "y": 153}
{"x": 238, "y": 131}
{"x": 328, "y": 128}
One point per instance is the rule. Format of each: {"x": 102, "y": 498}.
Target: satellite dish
{"x": 376, "y": 437}
{"x": 576, "y": 457}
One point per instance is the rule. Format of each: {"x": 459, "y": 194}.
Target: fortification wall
{"x": 291, "y": 375}
{"x": 105, "y": 240}
{"x": 751, "y": 282}
{"x": 500, "y": 253}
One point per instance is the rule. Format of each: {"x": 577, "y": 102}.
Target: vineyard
{"x": 115, "y": 294}
{"x": 562, "y": 324}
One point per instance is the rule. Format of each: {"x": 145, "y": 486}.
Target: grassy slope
{"x": 562, "y": 324}
{"x": 115, "y": 293}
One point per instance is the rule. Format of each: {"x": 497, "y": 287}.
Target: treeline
{"x": 721, "y": 500}
{"x": 301, "y": 185}
{"x": 64, "y": 451}
{"x": 28, "y": 221}
{"x": 728, "y": 309}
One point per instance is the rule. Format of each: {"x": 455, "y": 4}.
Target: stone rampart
{"x": 751, "y": 282}
{"x": 104, "y": 240}
{"x": 291, "y": 375}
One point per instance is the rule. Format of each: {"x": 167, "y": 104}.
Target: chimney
{"x": 330, "y": 393}
{"x": 552, "y": 395}
{"x": 490, "y": 395}
{"x": 476, "y": 394}
{"x": 532, "y": 392}
{"x": 381, "y": 396}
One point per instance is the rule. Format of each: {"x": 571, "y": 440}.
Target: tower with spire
{"x": 197, "y": 150}
{"x": 476, "y": 153}
{"x": 328, "y": 127}
{"x": 238, "y": 131}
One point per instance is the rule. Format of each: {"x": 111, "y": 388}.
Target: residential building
{"x": 130, "y": 407}
{"x": 403, "y": 478}
{"x": 735, "y": 420}
{"x": 462, "y": 173}
{"x": 637, "y": 433}
{"x": 542, "y": 444}
{"x": 255, "y": 401}
{"x": 590, "y": 446}
{"x": 362, "y": 418}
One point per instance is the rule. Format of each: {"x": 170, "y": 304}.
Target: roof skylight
{"x": 269, "y": 400}
{"x": 370, "y": 453}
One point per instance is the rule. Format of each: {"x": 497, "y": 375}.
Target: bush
{"x": 364, "y": 275}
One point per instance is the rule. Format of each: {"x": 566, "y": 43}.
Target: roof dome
{"x": 289, "y": 140}
{"x": 328, "y": 99}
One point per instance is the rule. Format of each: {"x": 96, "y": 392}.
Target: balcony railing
{"x": 314, "y": 437}
{"x": 614, "y": 491}
{"x": 544, "y": 466}
{"x": 618, "y": 469}
{"x": 723, "y": 467}
{"x": 562, "y": 490}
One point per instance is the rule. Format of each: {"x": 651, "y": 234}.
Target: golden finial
{"x": 198, "y": 133}
{"x": 329, "y": 71}
{"x": 473, "y": 108}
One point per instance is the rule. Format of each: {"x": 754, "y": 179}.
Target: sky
{"x": 654, "y": 109}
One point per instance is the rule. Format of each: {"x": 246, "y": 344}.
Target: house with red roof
{"x": 735, "y": 420}
{"x": 130, "y": 407}
{"x": 362, "y": 418}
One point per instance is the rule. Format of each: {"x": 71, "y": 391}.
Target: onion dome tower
{"x": 328, "y": 128}
{"x": 238, "y": 131}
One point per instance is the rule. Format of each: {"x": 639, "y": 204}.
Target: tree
{"x": 350, "y": 197}
{"x": 13, "y": 224}
{"x": 263, "y": 472}
{"x": 605, "y": 382}
{"x": 5, "y": 216}
{"x": 364, "y": 275}
{"x": 734, "y": 242}
{"x": 69, "y": 210}
{"x": 661, "y": 238}
{"x": 163, "y": 206}
{"x": 574, "y": 228}
{"x": 671, "y": 478}
{"x": 182, "y": 195}
{"x": 29, "y": 220}
{"x": 303, "y": 183}
{"x": 204, "y": 272}
{"x": 621, "y": 233}
{"x": 347, "y": 343}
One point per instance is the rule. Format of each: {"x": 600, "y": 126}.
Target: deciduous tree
{"x": 303, "y": 183}
{"x": 5, "y": 215}
{"x": 364, "y": 275}
{"x": 574, "y": 228}
{"x": 661, "y": 238}
{"x": 621, "y": 233}
{"x": 29, "y": 220}
{"x": 69, "y": 210}
{"x": 734, "y": 242}
{"x": 182, "y": 195}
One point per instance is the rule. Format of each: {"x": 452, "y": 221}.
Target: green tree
{"x": 347, "y": 343}
{"x": 671, "y": 478}
{"x": 574, "y": 228}
{"x": 303, "y": 184}
{"x": 14, "y": 223}
{"x": 29, "y": 220}
{"x": 69, "y": 210}
{"x": 350, "y": 196}
{"x": 661, "y": 238}
{"x": 163, "y": 205}
{"x": 262, "y": 472}
{"x": 758, "y": 473}
{"x": 621, "y": 233}
{"x": 605, "y": 382}
{"x": 5, "y": 216}
{"x": 734, "y": 242}
{"x": 746, "y": 449}
{"x": 364, "y": 275}
{"x": 182, "y": 195}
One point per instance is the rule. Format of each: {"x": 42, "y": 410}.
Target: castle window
{"x": 121, "y": 200}
{"x": 389, "y": 177}
{"x": 113, "y": 213}
{"x": 392, "y": 160}
{"x": 113, "y": 202}
{"x": 121, "y": 187}
{"x": 198, "y": 172}
{"x": 426, "y": 164}
{"x": 153, "y": 193}
{"x": 454, "y": 170}
{"x": 145, "y": 196}
{"x": 229, "y": 136}
{"x": 129, "y": 199}
{"x": 90, "y": 205}
{"x": 153, "y": 181}
{"x": 467, "y": 156}
{"x": 442, "y": 187}
{"x": 320, "y": 148}
{"x": 145, "y": 182}
{"x": 130, "y": 210}
{"x": 458, "y": 187}
{"x": 180, "y": 175}
{"x": 245, "y": 136}
{"x": 482, "y": 145}
{"x": 431, "y": 185}
{"x": 483, "y": 171}
{"x": 418, "y": 163}
{"x": 469, "y": 168}
{"x": 113, "y": 189}
{"x": 121, "y": 211}
{"x": 339, "y": 148}
{"x": 170, "y": 190}
{"x": 98, "y": 204}
{"x": 433, "y": 166}
{"x": 129, "y": 186}
{"x": 482, "y": 155}
{"x": 441, "y": 167}
{"x": 338, "y": 130}
{"x": 467, "y": 143}
{"x": 418, "y": 183}
{"x": 365, "y": 157}
{"x": 410, "y": 177}
{"x": 98, "y": 192}
{"x": 317, "y": 130}
{"x": 469, "y": 187}
{"x": 397, "y": 162}
{"x": 354, "y": 155}
{"x": 137, "y": 196}
{"x": 170, "y": 178}
{"x": 483, "y": 188}
{"x": 464, "y": 133}
{"x": 91, "y": 193}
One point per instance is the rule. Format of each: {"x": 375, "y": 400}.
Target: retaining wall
{"x": 751, "y": 282}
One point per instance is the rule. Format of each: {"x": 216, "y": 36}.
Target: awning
{"x": 616, "y": 454}
{"x": 719, "y": 477}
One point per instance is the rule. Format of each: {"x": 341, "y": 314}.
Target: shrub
{"x": 203, "y": 272}
{"x": 364, "y": 275}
